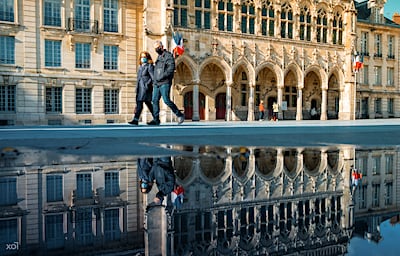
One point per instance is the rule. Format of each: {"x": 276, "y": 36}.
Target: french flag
{"x": 358, "y": 63}
{"x": 177, "y": 44}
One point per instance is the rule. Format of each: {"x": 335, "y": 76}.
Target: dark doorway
{"x": 364, "y": 108}
{"x": 270, "y": 102}
{"x": 188, "y": 105}
{"x": 220, "y": 105}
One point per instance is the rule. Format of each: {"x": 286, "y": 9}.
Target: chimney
{"x": 396, "y": 18}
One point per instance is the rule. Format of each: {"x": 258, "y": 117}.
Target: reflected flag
{"x": 177, "y": 44}
{"x": 358, "y": 63}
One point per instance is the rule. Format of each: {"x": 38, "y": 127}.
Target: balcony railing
{"x": 85, "y": 26}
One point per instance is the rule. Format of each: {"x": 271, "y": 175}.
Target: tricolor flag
{"x": 358, "y": 63}
{"x": 177, "y": 44}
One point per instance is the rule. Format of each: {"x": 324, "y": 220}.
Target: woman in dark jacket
{"x": 144, "y": 86}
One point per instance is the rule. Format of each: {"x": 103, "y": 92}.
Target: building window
{"x": 391, "y": 47}
{"x": 84, "y": 231}
{"x": 7, "y": 98}
{"x": 110, "y": 14}
{"x": 267, "y": 19}
{"x": 84, "y": 185}
{"x": 83, "y": 98}
{"x": 111, "y": 101}
{"x": 82, "y": 55}
{"x": 364, "y": 44}
{"x": 389, "y": 193}
{"x": 111, "y": 184}
{"x": 378, "y": 106}
{"x": 389, "y": 164}
{"x": 337, "y": 33}
{"x": 110, "y": 57}
{"x": 203, "y": 14}
{"x": 375, "y": 194}
{"x": 7, "y": 10}
{"x": 54, "y": 185}
{"x": 9, "y": 234}
{"x": 225, "y": 15}
{"x": 322, "y": 26}
{"x": 365, "y": 74}
{"x": 180, "y": 13}
{"x": 53, "y": 99}
{"x": 8, "y": 191}
{"x": 390, "y": 106}
{"x": 363, "y": 197}
{"x": 248, "y": 17}
{"x": 112, "y": 229}
{"x": 203, "y": 227}
{"x": 378, "y": 46}
{"x": 362, "y": 165}
{"x": 52, "y": 13}
{"x": 390, "y": 76}
{"x": 378, "y": 75}
{"x": 54, "y": 225}
{"x": 286, "y": 21}
{"x": 82, "y": 15}
{"x": 305, "y": 24}
{"x": 376, "y": 165}
{"x": 52, "y": 50}
{"x": 243, "y": 89}
{"x": 291, "y": 96}
{"x": 7, "y": 50}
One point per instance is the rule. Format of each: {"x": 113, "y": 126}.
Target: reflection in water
{"x": 237, "y": 201}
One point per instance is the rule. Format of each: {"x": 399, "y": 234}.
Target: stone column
{"x": 196, "y": 116}
{"x": 229, "y": 101}
{"x": 155, "y": 231}
{"x": 250, "y": 106}
{"x": 299, "y": 113}
{"x": 280, "y": 96}
{"x": 324, "y": 104}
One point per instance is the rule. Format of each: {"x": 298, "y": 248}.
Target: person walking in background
{"x": 261, "y": 109}
{"x": 163, "y": 74}
{"x": 275, "y": 109}
{"x": 144, "y": 86}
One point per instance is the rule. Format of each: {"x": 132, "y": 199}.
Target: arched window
{"x": 286, "y": 21}
{"x": 267, "y": 18}
{"x": 322, "y": 26}
{"x": 180, "y": 13}
{"x": 225, "y": 15}
{"x": 305, "y": 24}
{"x": 248, "y": 17}
{"x": 337, "y": 25}
{"x": 243, "y": 89}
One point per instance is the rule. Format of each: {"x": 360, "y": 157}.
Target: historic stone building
{"x": 75, "y": 61}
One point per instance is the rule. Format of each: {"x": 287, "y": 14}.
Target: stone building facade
{"x": 75, "y": 61}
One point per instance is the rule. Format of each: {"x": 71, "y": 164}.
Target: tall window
{"x": 376, "y": 165}
{"x": 52, "y": 13}
{"x": 364, "y": 44}
{"x": 110, "y": 14}
{"x": 291, "y": 96}
{"x": 203, "y": 14}
{"x": 180, "y": 13}
{"x": 112, "y": 230}
{"x": 53, "y": 99}
{"x": 286, "y": 21}
{"x": 322, "y": 26}
{"x": 110, "y": 57}
{"x": 54, "y": 231}
{"x": 378, "y": 105}
{"x": 248, "y": 17}
{"x": 83, "y": 101}
{"x": 52, "y": 51}
{"x": 82, "y": 55}
{"x": 389, "y": 164}
{"x": 363, "y": 197}
{"x": 267, "y": 18}
{"x": 365, "y": 74}
{"x": 378, "y": 75}
{"x": 7, "y": 10}
{"x": 337, "y": 33}
{"x": 390, "y": 76}
{"x": 83, "y": 185}
{"x": 82, "y": 15}
{"x": 378, "y": 45}
{"x": 7, "y": 98}
{"x": 390, "y": 106}
{"x": 243, "y": 89}
{"x": 225, "y": 15}
{"x": 362, "y": 165}
{"x": 84, "y": 231}
{"x": 305, "y": 24}
{"x": 376, "y": 189}
{"x": 54, "y": 185}
{"x": 111, "y": 184}
{"x": 9, "y": 234}
{"x": 7, "y": 50}
{"x": 111, "y": 105}
{"x": 391, "y": 47}
{"x": 8, "y": 191}
{"x": 389, "y": 193}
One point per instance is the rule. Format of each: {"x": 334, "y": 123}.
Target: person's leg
{"x": 139, "y": 108}
{"x": 150, "y": 107}
{"x": 156, "y": 104}
{"x": 165, "y": 90}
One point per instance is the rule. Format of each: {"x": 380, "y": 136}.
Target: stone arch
{"x": 221, "y": 64}
{"x": 273, "y": 67}
{"x": 246, "y": 66}
{"x": 188, "y": 62}
{"x": 296, "y": 69}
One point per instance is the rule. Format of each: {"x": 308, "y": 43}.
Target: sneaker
{"x": 154, "y": 122}
{"x": 133, "y": 122}
{"x": 181, "y": 119}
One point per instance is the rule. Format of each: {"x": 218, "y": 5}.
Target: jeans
{"x": 261, "y": 115}
{"x": 163, "y": 91}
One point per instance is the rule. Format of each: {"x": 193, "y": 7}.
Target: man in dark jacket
{"x": 163, "y": 74}
{"x": 159, "y": 169}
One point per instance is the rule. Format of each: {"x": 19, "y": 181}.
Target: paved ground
{"x": 146, "y": 140}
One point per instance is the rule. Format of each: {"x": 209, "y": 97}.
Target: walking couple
{"x": 153, "y": 82}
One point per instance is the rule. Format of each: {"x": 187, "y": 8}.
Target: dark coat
{"x": 164, "y": 69}
{"x": 144, "y": 166}
{"x": 163, "y": 173}
{"x": 144, "y": 86}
